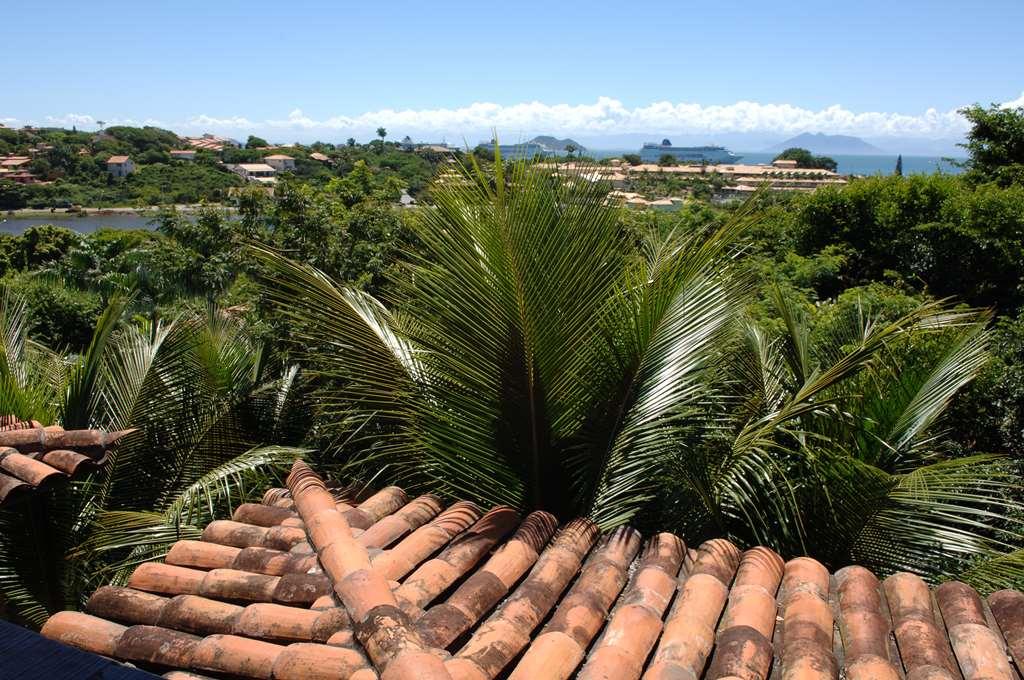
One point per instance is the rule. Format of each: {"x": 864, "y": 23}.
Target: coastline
{"x": 149, "y": 211}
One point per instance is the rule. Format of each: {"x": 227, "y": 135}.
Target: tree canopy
{"x": 995, "y": 144}
{"x": 805, "y": 159}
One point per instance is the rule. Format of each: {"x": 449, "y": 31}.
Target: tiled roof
{"x": 117, "y": 159}
{"x": 204, "y": 143}
{"x": 32, "y": 456}
{"x": 316, "y": 584}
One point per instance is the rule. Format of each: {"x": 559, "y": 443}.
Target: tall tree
{"x": 995, "y": 144}
{"x": 805, "y": 159}
{"x": 255, "y": 142}
{"x": 899, "y": 165}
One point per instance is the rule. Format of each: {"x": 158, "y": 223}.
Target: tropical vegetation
{"x": 207, "y": 414}
{"x": 839, "y": 373}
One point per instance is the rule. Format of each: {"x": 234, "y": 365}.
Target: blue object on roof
{"x": 25, "y": 655}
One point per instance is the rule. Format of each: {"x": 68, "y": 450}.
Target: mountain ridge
{"x": 828, "y": 144}
{"x": 556, "y": 144}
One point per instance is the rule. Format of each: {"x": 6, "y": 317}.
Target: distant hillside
{"x": 828, "y": 144}
{"x": 556, "y": 144}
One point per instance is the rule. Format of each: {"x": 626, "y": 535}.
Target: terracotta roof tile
{"x": 33, "y": 457}
{"x": 1008, "y": 610}
{"x": 319, "y": 582}
{"x": 979, "y": 649}
{"x": 807, "y": 623}
{"x": 924, "y": 648}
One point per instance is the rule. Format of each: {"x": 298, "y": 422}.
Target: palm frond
{"x": 81, "y": 395}
{"x": 136, "y": 536}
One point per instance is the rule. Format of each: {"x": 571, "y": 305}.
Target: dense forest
{"x": 837, "y": 373}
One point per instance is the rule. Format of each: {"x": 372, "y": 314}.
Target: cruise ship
{"x": 711, "y": 155}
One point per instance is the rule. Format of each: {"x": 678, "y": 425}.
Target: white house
{"x": 255, "y": 172}
{"x": 120, "y": 166}
{"x": 280, "y": 162}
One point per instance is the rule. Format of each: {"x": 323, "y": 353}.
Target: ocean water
{"x": 873, "y": 165}
{"x": 848, "y": 165}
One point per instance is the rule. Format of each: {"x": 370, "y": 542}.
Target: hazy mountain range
{"x": 838, "y": 145}
{"x": 557, "y": 144}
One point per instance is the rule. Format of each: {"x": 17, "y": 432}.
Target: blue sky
{"x": 301, "y": 69}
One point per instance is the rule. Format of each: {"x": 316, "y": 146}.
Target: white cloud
{"x": 611, "y": 116}
{"x": 605, "y": 116}
{"x": 1015, "y": 103}
{"x": 203, "y": 121}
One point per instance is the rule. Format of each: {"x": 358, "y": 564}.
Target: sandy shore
{"x": 36, "y": 213}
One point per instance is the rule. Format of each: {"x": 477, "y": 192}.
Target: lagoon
{"x": 85, "y": 223}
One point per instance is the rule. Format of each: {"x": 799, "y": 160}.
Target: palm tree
{"x": 204, "y": 401}
{"x": 534, "y": 354}
{"x": 835, "y": 448}
{"x": 529, "y": 349}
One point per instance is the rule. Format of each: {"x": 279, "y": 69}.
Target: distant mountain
{"x": 820, "y": 143}
{"x": 556, "y": 144}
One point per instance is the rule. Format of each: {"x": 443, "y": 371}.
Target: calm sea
{"x": 873, "y": 165}
{"x": 848, "y": 165}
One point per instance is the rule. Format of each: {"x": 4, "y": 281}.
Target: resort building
{"x": 212, "y": 142}
{"x": 280, "y": 162}
{"x": 16, "y": 169}
{"x": 183, "y": 154}
{"x": 255, "y": 172}
{"x": 14, "y": 163}
{"x": 120, "y": 166}
{"x": 323, "y": 158}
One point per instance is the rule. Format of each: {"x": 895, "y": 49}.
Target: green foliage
{"x": 201, "y": 398}
{"x": 138, "y": 140}
{"x": 527, "y": 358}
{"x": 38, "y": 247}
{"x": 255, "y": 142}
{"x": 805, "y": 159}
{"x": 632, "y": 158}
{"x": 667, "y": 160}
{"x": 777, "y": 372}
{"x": 60, "y": 316}
{"x": 610, "y": 376}
{"x": 995, "y": 144}
{"x": 660, "y": 184}
{"x": 210, "y": 243}
{"x": 13, "y": 195}
{"x": 934, "y": 233}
